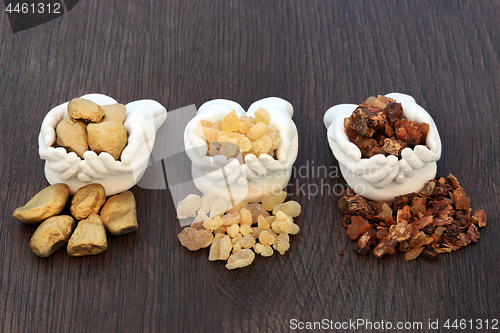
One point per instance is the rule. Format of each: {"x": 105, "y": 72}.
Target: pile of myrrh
{"x": 436, "y": 220}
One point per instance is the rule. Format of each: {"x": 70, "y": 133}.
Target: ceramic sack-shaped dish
{"x": 142, "y": 119}
{"x": 257, "y": 176}
{"x": 384, "y": 177}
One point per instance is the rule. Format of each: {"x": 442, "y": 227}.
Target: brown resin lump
{"x": 72, "y": 135}
{"x": 119, "y": 214}
{"x": 48, "y": 202}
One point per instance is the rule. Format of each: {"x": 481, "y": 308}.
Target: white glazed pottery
{"x": 258, "y": 176}
{"x": 142, "y": 119}
{"x": 384, "y": 177}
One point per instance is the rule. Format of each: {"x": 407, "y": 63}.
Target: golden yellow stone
{"x": 80, "y": 108}
{"x": 87, "y": 200}
{"x": 89, "y": 237}
{"x": 51, "y": 235}
{"x": 48, "y": 202}
{"x": 119, "y": 214}
{"x": 72, "y": 135}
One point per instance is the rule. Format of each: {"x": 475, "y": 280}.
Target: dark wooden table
{"x": 315, "y": 54}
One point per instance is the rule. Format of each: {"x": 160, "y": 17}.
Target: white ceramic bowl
{"x": 258, "y": 176}
{"x": 142, "y": 119}
{"x": 384, "y": 177}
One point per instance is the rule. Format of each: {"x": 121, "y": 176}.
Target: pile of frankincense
{"x": 437, "y": 220}
{"x": 237, "y": 232}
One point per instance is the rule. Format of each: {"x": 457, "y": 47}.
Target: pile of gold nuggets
{"x": 84, "y": 231}
{"x": 90, "y": 125}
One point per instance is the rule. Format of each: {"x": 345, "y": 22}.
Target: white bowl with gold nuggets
{"x": 245, "y": 176}
{"x": 142, "y": 120}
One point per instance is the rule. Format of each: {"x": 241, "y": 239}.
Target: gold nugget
{"x": 114, "y": 112}
{"x": 89, "y": 237}
{"x": 80, "y": 108}
{"x": 48, "y": 202}
{"x": 51, "y": 235}
{"x": 72, "y": 135}
{"x": 108, "y": 136}
{"x": 119, "y": 214}
{"x": 87, "y": 200}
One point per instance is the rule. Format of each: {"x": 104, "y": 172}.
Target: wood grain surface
{"x": 315, "y": 54}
